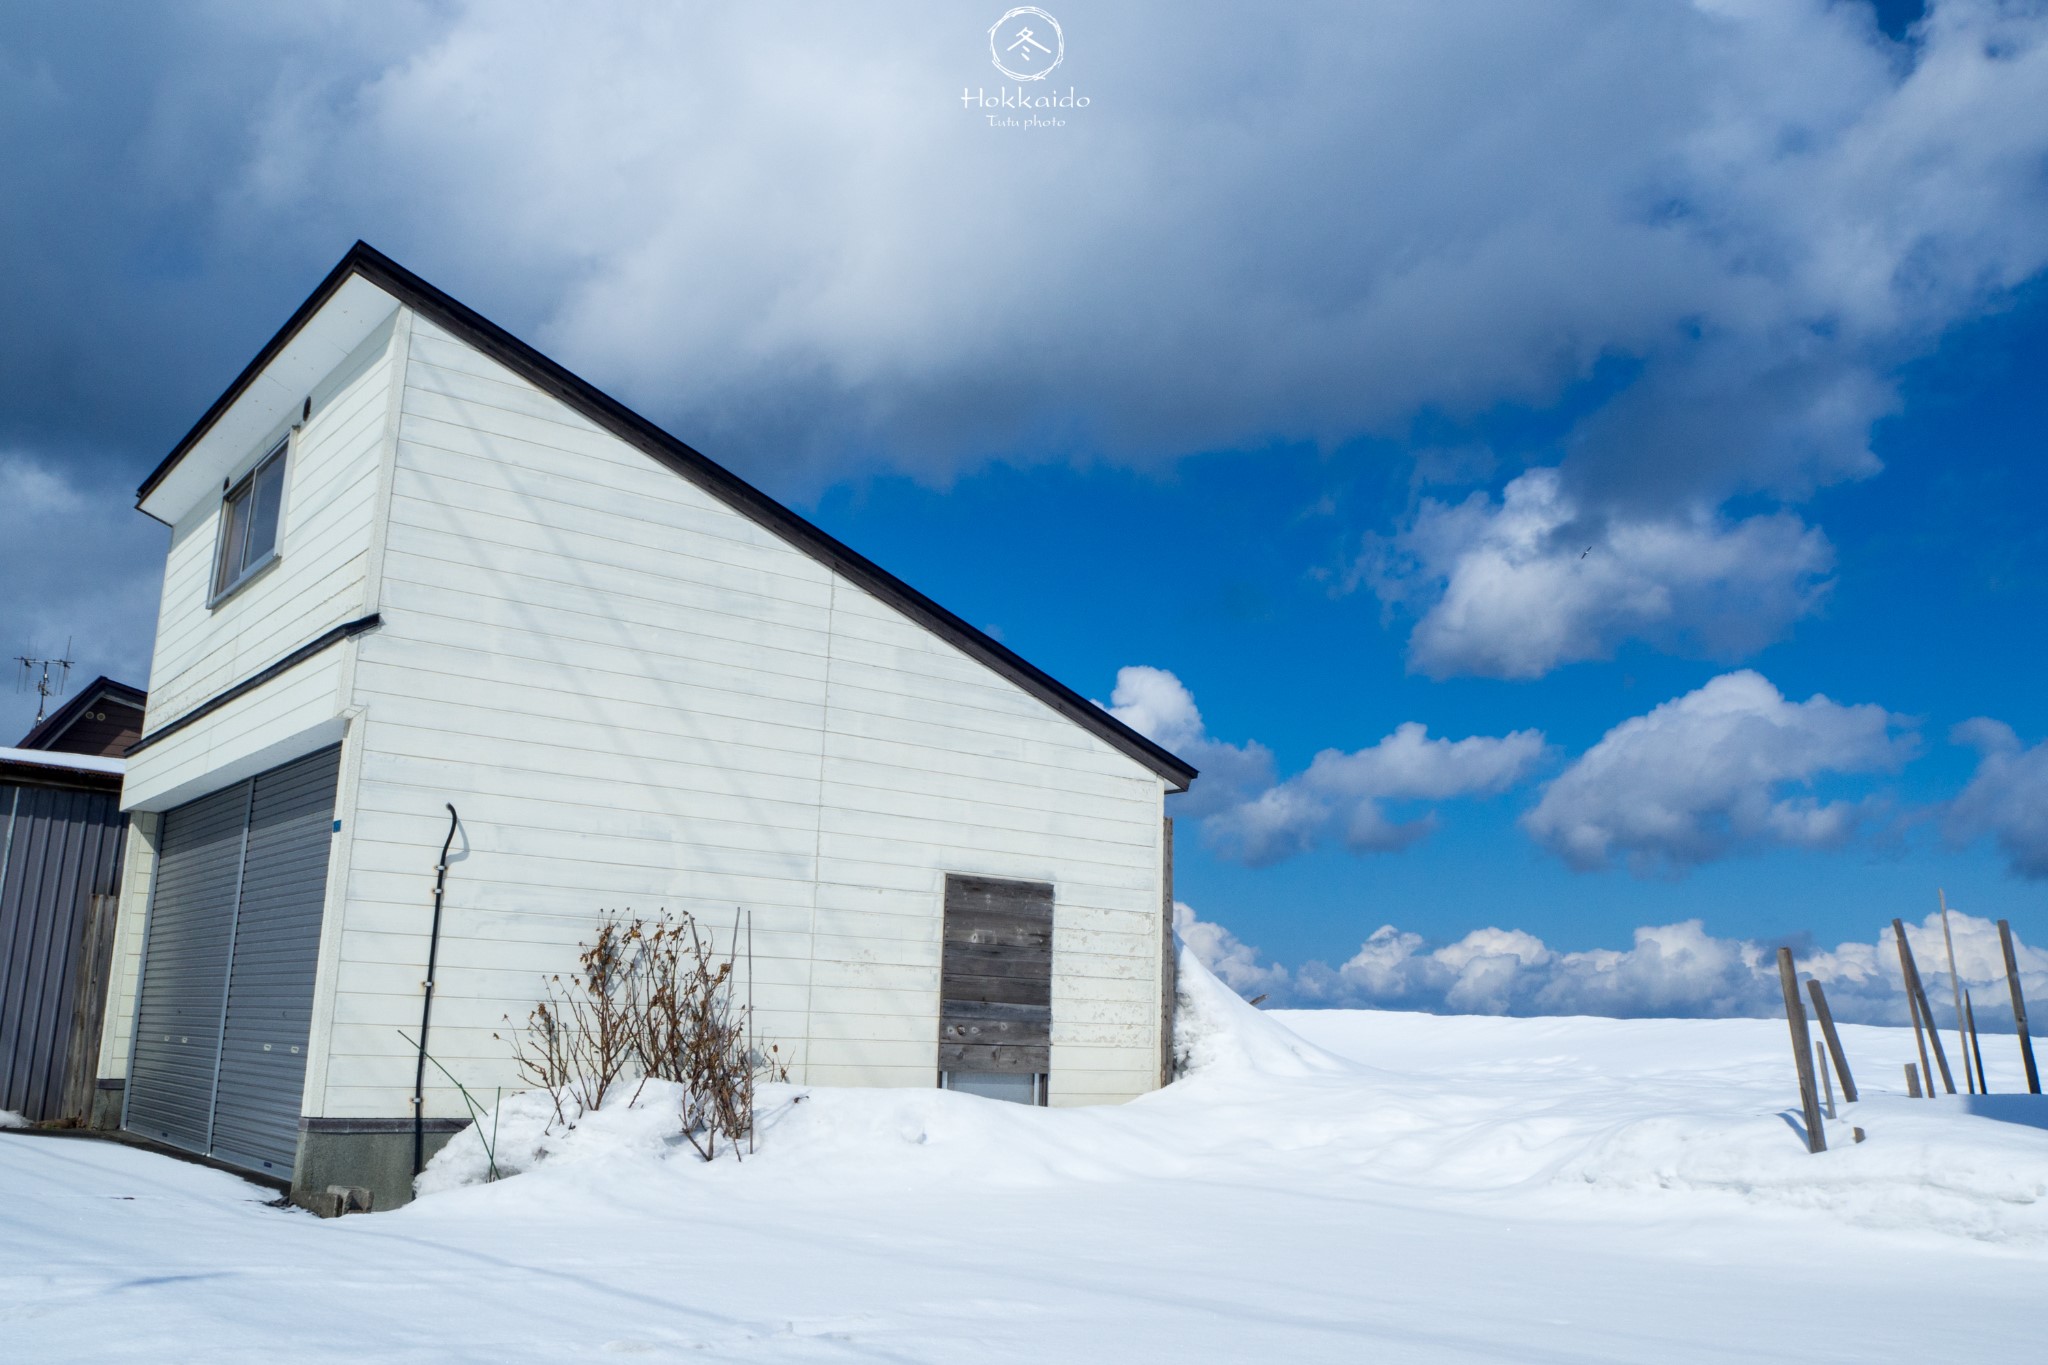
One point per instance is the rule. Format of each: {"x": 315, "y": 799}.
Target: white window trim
{"x": 285, "y": 449}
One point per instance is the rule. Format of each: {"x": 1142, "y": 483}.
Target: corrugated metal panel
{"x": 227, "y": 981}
{"x": 185, "y": 969}
{"x": 58, "y": 849}
{"x": 277, "y": 945}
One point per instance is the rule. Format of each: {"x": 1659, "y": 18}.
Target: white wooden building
{"x": 414, "y": 564}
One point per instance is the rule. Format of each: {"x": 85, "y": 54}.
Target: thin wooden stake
{"x": 1912, "y": 971}
{"x": 1919, "y": 1040}
{"x": 1955, "y": 985}
{"x": 2019, "y": 1008}
{"x": 1912, "y": 1081}
{"x": 1976, "y": 1047}
{"x": 1802, "y": 1052}
{"x": 1834, "y": 1040}
{"x": 1827, "y": 1086}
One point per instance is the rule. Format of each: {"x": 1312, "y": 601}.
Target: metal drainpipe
{"x": 419, "y": 1076}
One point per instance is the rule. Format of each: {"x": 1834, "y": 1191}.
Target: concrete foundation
{"x": 373, "y": 1155}
{"x": 107, "y": 1096}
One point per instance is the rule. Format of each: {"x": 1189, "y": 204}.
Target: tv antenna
{"x": 37, "y": 671}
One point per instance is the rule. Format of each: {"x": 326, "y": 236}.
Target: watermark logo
{"x": 1026, "y": 44}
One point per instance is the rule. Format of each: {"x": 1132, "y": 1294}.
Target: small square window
{"x": 248, "y": 523}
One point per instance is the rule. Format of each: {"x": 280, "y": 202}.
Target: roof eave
{"x": 683, "y": 459}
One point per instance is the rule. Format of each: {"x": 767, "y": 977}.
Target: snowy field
{"x": 1329, "y": 1186}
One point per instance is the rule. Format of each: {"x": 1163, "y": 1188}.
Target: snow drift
{"x": 1570, "y": 1117}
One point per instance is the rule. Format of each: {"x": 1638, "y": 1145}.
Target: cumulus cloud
{"x": 1702, "y": 236}
{"x": 1159, "y": 706}
{"x": 2007, "y": 798}
{"x": 104, "y": 603}
{"x": 1512, "y": 587}
{"x": 1668, "y": 971}
{"x": 1237, "y": 964}
{"x": 781, "y": 229}
{"x": 1248, "y": 816}
{"x": 1728, "y": 767}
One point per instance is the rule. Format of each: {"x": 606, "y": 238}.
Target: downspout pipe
{"x": 419, "y": 1076}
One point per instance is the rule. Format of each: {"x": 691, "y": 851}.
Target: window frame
{"x": 244, "y": 488}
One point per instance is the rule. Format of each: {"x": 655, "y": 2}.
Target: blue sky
{"x": 1645, "y": 399}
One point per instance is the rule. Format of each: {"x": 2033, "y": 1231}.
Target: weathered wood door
{"x": 995, "y": 988}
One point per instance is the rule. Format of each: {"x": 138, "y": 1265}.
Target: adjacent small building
{"x": 61, "y": 832}
{"x": 415, "y": 565}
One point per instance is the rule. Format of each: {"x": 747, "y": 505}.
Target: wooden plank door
{"x": 995, "y": 988}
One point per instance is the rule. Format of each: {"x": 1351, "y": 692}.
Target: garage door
{"x": 227, "y": 975}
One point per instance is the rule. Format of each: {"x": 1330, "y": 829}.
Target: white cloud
{"x": 1159, "y": 706}
{"x": 1237, "y": 964}
{"x": 781, "y": 227}
{"x": 1347, "y": 794}
{"x": 1671, "y": 970}
{"x": 1701, "y": 236}
{"x": 2007, "y": 798}
{"x": 1513, "y": 588}
{"x": 80, "y": 568}
{"x": 1249, "y": 817}
{"x": 1727, "y": 767}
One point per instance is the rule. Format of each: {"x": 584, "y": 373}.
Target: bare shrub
{"x": 578, "y": 1041}
{"x": 651, "y": 998}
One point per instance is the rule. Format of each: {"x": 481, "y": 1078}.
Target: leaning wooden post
{"x": 1827, "y": 1087}
{"x": 2019, "y": 1008}
{"x": 1955, "y": 985}
{"x": 1834, "y": 1040}
{"x": 1912, "y": 972}
{"x": 1802, "y": 1052}
{"x": 1920, "y": 1041}
{"x": 1970, "y": 1018}
{"x": 1920, "y": 1038}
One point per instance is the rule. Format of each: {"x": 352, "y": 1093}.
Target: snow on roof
{"x": 85, "y": 763}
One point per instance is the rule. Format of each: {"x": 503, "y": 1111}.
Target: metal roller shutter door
{"x": 227, "y": 982}
{"x": 185, "y": 969}
{"x": 270, "y": 984}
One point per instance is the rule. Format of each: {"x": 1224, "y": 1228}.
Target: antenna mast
{"x": 39, "y": 670}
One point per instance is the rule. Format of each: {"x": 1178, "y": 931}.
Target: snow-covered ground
{"x": 1329, "y": 1186}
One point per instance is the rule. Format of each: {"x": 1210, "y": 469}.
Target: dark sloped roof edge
{"x": 691, "y": 464}
{"x": 335, "y": 279}
{"x": 54, "y": 724}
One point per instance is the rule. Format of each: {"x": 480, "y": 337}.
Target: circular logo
{"x": 1026, "y": 44}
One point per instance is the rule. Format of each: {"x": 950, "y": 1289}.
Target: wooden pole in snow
{"x": 1977, "y": 1048}
{"x": 2019, "y": 1008}
{"x": 1834, "y": 1040}
{"x": 1955, "y": 985}
{"x": 1802, "y": 1052}
{"x": 1912, "y": 971}
{"x": 1912, "y": 1081}
{"x": 1827, "y": 1087}
{"x": 1920, "y": 1040}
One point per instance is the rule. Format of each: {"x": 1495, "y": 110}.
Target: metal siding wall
{"x": 185, "y": 969}
{"x": 277, "y": 945}
{"x": 57, "y": 850}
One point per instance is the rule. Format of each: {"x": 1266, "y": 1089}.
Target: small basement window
{"x": 248, "y": 523}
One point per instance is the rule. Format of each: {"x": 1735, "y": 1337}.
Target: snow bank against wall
{"x": 1564, "y": 1117}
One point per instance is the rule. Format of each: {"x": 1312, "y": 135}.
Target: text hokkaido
{"x": 1014, "y": 97}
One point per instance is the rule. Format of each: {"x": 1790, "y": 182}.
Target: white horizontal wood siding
{"x": 640, "y": 699}
{"x": 138, "y": 874}
{"x": 326, "y": 529}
